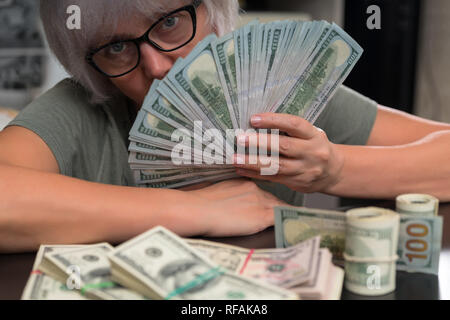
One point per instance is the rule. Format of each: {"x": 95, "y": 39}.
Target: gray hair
{"x": 99, "y": 20}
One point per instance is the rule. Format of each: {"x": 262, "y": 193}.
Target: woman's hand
{"x": 308, "y": 162}
{"x": 234, "y": 208}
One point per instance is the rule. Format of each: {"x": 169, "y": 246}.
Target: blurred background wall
{"x": 432, "y": 94}
{"x": 330, "y": 10}
{"x": 26, "y": 66}
{"x": 405, "y": 64}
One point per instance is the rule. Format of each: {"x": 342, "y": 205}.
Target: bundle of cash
{"x": 161, "y": 265}
{"x": 370, "y": 251}
{"x": 328, "y": 280}
{"x": 303, "y": 268}
{"x": 185, "y": 131}
{"x": 74, "y": 272}
{"x": 419, "y": 243}
{"x": 86, "y": 270}
{"x": 281, "y": 267}
{"x": 41, "y": 286}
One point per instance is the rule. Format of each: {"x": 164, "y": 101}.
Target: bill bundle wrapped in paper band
{"x": 185, "y": 131}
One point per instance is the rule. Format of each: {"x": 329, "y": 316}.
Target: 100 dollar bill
{"x": 419, "y": 244}
{"x": 296, "y": 224}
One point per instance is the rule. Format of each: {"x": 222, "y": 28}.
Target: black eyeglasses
{"x": 169, "y": 33}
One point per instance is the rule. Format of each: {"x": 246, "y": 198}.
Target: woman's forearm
{"x": 385, "y": 172}
{"x": 38, "y": 207}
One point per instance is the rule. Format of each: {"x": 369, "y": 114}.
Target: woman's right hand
{"x": 234, "y": 208}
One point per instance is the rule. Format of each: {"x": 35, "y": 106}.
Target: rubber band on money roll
{"x": 247, "y": 260}
{"x": 370, "y": 259}
{"x": 100, "y": 285}
{"x": 207, "y": 276}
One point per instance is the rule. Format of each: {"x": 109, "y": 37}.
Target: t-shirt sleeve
{"x": 348, "y": 118}
{"x": 59, "y": 118}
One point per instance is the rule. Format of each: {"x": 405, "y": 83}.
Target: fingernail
{"x": 242, "y": 140}
{"x": 256, "y": 120}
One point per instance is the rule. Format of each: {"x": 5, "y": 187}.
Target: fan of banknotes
{"x": 184, "y": 133}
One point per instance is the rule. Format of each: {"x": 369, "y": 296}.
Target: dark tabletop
{"x": 15, "y": 268}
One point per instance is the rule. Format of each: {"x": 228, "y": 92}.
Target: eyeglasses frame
{"x": 144, "y": 38}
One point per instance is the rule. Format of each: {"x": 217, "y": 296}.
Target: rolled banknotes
{"x": 419, "y": 243}
{"x": 371, "y": 250}
{"x": 423, "y": 205}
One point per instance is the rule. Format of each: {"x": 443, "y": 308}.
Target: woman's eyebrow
{"x": 123, "y": 36}
{"x": 116, "y": 38}
{"x": 106, "y": 40}
{"x": 129, "y": 36}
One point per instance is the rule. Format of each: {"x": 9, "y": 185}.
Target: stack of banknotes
{"x": 372, "y": 243}
{"x": 160, "y": 265}
{"x": 303, "y": 268}
{"x": 185, "y": 131}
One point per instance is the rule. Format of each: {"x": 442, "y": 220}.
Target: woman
{"x": 63, "y": 161}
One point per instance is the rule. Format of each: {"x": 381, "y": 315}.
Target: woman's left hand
{"x": 307, "y": 162}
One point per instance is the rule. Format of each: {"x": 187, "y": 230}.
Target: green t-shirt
{"x": 90, "y": 142}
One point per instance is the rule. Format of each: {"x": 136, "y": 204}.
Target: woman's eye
{"x": 170, "y": 22}
{"x": 117, "y": 48}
